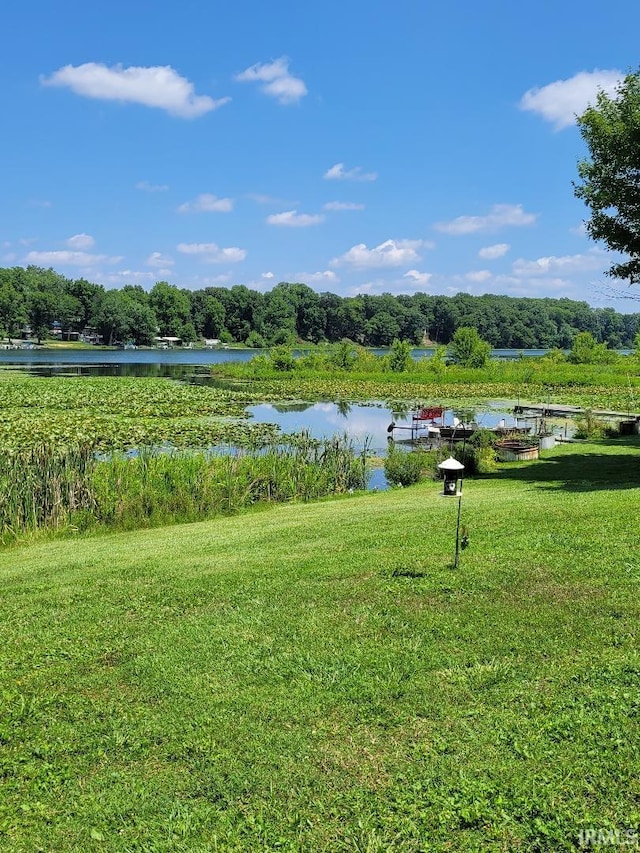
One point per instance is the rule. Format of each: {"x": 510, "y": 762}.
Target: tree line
{"x": 41, "y": 300}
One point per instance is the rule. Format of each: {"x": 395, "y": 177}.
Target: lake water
{"x": 159, "y": 362}
{"x": 364, "y": 424}
{"x": 368, "y": 423}
{"x": 322, "y": 420}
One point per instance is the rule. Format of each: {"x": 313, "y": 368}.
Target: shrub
{"x": 468, "y": 349}
{"x": 344, "y": 355}
{"x": 589, "y": 426}
{"x": 255, "y": 340}
{"x": 399, "y": 359}
{"x": 586, "y": 350}
{"x": 282, "y": 359}
{"x": 436, "y": 364}
{"x": 404, "y": 468}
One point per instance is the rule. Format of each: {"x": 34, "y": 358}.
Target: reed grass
{"x": 43, "y": 487}
{"x": 47, "y": 490}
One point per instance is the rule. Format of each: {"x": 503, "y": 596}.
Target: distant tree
{"x": 381, "y": 329}
{"x": 279, "y": 318}
{"x": 468, "y": 349}
{"x": 310, "y": 317}
{"x": 87, "y": 296}
{"x": 43, "y": 308}
{"x": 188, "y": 333}
{"x": 120, "y": 317}
{"x": 352, "y": 319}
{"x": 171, "y": 307}
{"x": 611, "y": 175}
{"x": 13, "y": 308}
{"x": 111, "y": 317}
{"x": 255, "y": 341}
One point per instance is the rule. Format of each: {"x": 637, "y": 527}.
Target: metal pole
{"x": 457, "y": 557}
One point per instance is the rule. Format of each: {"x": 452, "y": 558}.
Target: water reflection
{"x": 199, "y": 374}
{"x": 365, "y": 423}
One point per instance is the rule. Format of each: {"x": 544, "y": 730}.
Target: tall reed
{"x": 42, "y": 489}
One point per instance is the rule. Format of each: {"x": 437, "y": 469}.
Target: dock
{"x": 554, "y": 410}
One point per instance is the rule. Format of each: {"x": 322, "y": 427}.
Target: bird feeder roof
{"x": 451, "y": 464}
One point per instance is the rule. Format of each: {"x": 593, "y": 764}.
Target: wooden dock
{"x": 554, "y": 410}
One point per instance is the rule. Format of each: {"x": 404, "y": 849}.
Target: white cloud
{"x": 211, "y": 281}
{"x": 276, "y": 80}
{"x": 391, "y": 253}
{"x": 339, "y": 173}
{"x": 207, "y": 203}
{"x": 321, "y": 277}
{"x": 260, "y": 198}
{"x": 267, "y": 275}
{"x": 128, "y": 276}
{"x": 157, "y": 259}
{"x": 146, "y": 187}
{"x": 342, "y": 205}
{"x": 81, "y": 242}
{"x": 293, "y": 219}
{"x": 562, "y": 265}
{"x": 490, "y": 253}
{"x": 561, "y": 101}
{"x": 157, "y": 86}
{"x": 500, "y": 216}
{"x": 385, "y": 285}
{"x": 421, "y": 278}
{"x": 76, "y": 259}
{"x": 212, "y": 253}
{"x": 478, "y": 276}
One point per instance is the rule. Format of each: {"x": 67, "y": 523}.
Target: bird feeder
{"x": 452, "y": 470}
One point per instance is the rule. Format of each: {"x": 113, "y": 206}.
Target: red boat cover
{"x": 429, "y": 414}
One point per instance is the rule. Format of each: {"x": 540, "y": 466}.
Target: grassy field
{"x": 318, "y": 678}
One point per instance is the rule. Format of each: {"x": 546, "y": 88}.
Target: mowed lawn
{"x": 319, "y": 678}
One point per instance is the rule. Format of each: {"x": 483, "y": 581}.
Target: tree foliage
{"x": 611, "y": 174}
{"x": 468, "y": 349}
{"x": 586, "y": 350}
{"x": 40, "y": 300}
{"x": 400, "y": 356}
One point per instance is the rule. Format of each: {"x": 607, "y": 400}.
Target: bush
{"x": 468, "y": 349}
{"x": 404, "y": 468}
{"x": 282, "y": 359}
{"x": 586, "y": 350}
{"x": 436, "y": 364}
{"x": 255, "y": 340}
{"x": 399, "y": 359}
{"x": 344, "y": 355}
{"x": 589, "y": 426}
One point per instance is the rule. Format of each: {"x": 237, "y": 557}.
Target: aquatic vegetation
{"x": 74, "y": 489}
{"x": 122, "y": 412}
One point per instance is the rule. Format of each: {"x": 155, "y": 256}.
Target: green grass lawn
{"x": 318, "y": 678}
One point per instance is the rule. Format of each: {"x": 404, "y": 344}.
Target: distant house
{"x": 168, "y": 341}
{"x": 90, "y": 336}
{"x": 212, "y": 342}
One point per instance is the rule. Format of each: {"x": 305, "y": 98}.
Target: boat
{"x": 458, "y": 432}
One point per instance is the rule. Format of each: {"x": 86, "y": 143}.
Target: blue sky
{"x": 358, "y": 147}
